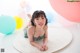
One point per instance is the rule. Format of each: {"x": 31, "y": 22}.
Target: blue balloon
{"x": 49, "y": 16}
{"x": 7, "y": 25}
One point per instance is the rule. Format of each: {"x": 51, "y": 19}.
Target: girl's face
{"x": 40, "y": 21}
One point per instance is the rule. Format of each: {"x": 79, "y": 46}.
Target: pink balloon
{"x": 69, "y": 10}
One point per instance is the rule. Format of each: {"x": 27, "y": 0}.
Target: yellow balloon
{"x": 19, "y": 22}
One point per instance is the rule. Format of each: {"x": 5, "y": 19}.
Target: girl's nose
{"x": 40, "y": 21}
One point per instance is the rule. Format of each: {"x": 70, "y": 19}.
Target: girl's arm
{"x": 46, "y": 37}
{"x": 30, "y": 35}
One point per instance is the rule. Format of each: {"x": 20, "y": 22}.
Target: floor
{"x": 73, "y": 47}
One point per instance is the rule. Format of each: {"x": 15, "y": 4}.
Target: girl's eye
{"x": 37, "y": 19}
{"x": 42, "y": 17}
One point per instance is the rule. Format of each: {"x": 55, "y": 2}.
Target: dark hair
{"x": 37, "y": 14}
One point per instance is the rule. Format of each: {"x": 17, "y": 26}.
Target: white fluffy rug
{"x": 58, "y": 39}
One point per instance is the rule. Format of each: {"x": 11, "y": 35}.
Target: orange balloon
{"x": 69, "y": 10}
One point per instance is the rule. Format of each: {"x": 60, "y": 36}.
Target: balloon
{"x": 7, "y": 24}
{"x": 19, "y": 22}
{"x": 49, "y": 16}
{"x": 69, "y": 10}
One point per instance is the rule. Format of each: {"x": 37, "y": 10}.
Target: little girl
{"x": 38, "y": 30}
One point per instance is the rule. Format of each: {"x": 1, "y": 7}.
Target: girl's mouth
{"x": 40, "y": 24}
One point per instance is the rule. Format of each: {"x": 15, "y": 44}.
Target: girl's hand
{"x": 39, "y": 30}
{"x": 45, "y": 47}
{"x": 41, "y": 48}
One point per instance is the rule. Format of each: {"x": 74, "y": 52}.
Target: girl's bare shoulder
{"x": 31, "y": 29}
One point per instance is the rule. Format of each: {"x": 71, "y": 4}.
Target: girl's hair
{"x": 37, "y": 14}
